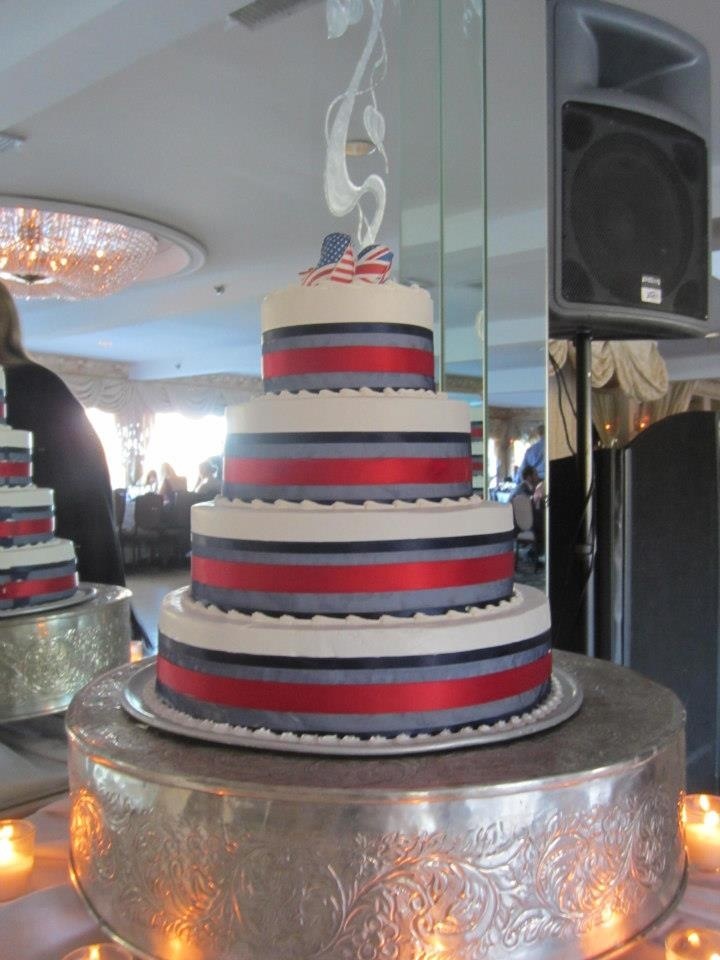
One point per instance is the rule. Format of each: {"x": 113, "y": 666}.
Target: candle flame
{"x": 94, "y": 953}
{"x": 712, "y": 819}
{"x": 7, "y": 847}
{"x": 693, "y": 938}
{"x": 704, "y": 801}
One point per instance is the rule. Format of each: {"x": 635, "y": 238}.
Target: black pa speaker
{"x": 630, "y": 122}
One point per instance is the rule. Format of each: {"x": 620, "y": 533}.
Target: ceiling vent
{"x": 256, "y": 13}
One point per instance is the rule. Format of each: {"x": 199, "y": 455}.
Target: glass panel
{"x": 442, "y": 192}
{"x": 516, "y": 333}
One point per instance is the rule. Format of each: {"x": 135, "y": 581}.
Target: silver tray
{"x": 139, "y": 699}
{"x": 84, "y": 592}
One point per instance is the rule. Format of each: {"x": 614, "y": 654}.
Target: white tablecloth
{"x": 50, "y": 920}
{"x": 33, "y": 763}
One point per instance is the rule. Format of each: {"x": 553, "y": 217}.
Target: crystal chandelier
{"x": 46, "y": 253}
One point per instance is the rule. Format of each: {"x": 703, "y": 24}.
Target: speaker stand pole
{"x": 585, "y": 546}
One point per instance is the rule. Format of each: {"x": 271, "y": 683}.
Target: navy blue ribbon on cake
{"x": 361, "y": 696}
{"x": 369, "y": 578}
{"x": 3, "y": 407}
{"x": 352, "y": 467}
{"x": 353, "y": 355}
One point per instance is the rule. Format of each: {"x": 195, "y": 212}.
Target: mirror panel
{"x": 443, "y": 190}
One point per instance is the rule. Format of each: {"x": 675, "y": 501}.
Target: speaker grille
{"x": 634, "y": 213}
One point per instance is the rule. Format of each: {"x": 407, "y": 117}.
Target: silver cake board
{"x": 139, "y": 698}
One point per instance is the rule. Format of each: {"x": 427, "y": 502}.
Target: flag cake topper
{"x": 339, "y": 264}
{"x": 342, "y": 194}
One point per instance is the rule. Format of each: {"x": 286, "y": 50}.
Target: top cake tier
{"x": 333, "y": 335}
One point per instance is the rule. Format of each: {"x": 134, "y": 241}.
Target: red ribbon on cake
{"x": 19, "y": 528}
{"x": 356, "y": 578}
{"x": 348, "y": 698}
{"x": 355, "y": 471}
{"x": 14, "y": 468}
{"x": 284, "y": 363}
{"x": 15, "y": 589}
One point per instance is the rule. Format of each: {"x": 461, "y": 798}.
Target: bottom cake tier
{"x": 352, "y": 675}
{"x": 564, "y": 845}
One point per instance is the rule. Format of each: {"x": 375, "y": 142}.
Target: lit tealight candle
{"x": 17, "y": 854}
{"x": 137, "y": 651}
{"x": 702, "y": 831}
{"x": 693, "y": 944}
{"x": 99, "y": 951}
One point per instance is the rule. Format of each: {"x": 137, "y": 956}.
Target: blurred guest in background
{"x": 528, "y": 482}
{"x": 208, "y": 485}
{"x": 151, "y": 482}
{"x": 535, "y": 454}
{"x": 171, "y": 483}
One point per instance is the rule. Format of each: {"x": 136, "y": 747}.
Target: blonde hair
{"x": 11, "y": 346}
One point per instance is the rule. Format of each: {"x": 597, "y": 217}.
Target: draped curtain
{"x": 630, "y": 391}
{"x": 131, "y": 400}
{"x": 135, "y": 403}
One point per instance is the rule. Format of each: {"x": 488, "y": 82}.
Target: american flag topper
{"x": 337, "y": 262}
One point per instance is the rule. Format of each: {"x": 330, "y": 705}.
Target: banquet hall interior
{"x": 528, "y": 163}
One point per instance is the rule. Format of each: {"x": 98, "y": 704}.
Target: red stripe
{"x": 332, "y": 472}
{"x": 16, "y": 528}
{"x": 357, "y": 578}
{"x": 351, "y": 359}
{"x": 31, "y": 588}
{"x": 351, "y": 698}
{"x": 13, "y": 468}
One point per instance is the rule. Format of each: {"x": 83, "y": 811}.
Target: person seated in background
{"x": 171, "y": 483}
{"x": 535, "y": 454}
{"x": 533, "y": 487}
{"x": 151, "y": 482}
{"x": 529, "y": 480}
{"x": 208, "y": 485}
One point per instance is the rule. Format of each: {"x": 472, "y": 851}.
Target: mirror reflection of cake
{"x": 36, "y": 567}
{"x": 348, "y": 581}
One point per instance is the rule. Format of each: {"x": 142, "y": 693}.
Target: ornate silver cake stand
{"x": 565, "y": 844}
{"x": 47, "y": 654}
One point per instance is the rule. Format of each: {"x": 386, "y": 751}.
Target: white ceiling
{"x": 163, "y": 110}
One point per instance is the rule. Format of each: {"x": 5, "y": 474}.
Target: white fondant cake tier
{"x": 341, "y": 559}
{"x": 37, "y": 573}
{"x": 347, "y": 335}
{"x": 15, "y": 456}
{"x": 27, "y": 515}
{"x": 350, "y": 446}
{"x": 353, "y": 675}
{"x": 330, "y": 303}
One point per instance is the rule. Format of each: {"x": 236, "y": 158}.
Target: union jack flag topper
{"x": 373, "y": 264}
{"x": 338, "y": 264}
